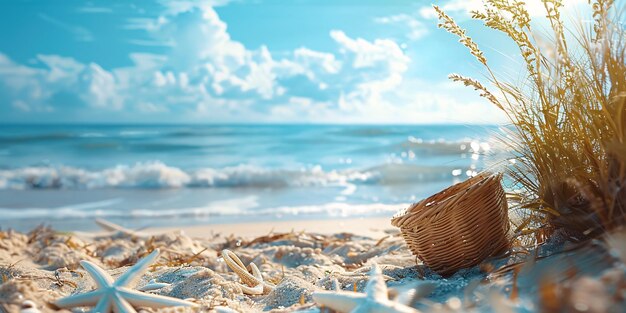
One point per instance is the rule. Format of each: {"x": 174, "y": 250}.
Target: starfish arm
{"x": 231, "y": 257}
{"x": 237, "y": 266}
{"x": 253, "y": 284}
{"x": 104, "y": 305}
{"x": 343, "y": 302}
{"x": 106, "y": 225}
{"x": 256, "y": 290}
{"x": 100, "y": 276}
{"x": 362, "y": 308}
{"x": 83, "y": 299}
{"x": 83, "y": 234}
{"x": 120, "y": 305}
{"x": 409, "y": 294}
{"x": 140, "y": 299}
{"x": 267, "y": 287}
{"x": 137, "y": 270}
{"x": 256, "y": 272}
{"x": 224, "y": 309}
{"x": 376, "y": 287}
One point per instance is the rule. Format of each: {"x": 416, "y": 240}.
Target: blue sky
{"x": 241, "y": 61}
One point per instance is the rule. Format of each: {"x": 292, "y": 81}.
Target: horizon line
{"x": 243, "y": 124}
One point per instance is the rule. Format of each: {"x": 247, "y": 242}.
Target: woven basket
{"x": 458, "y": 227}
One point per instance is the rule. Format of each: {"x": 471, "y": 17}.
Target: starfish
{"x": 224, "y": 309}
{"x": 409, "y": 294}
{"x": 113, "y": 230}
{"x": 253, "y": 284}
{"x": 116, "y": 296}
{"x": 375, "y": 299}
{"x": 112, "y": 227}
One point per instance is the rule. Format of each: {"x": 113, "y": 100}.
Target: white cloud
{"x": 100, "y": 89}
{"x": 308, "y": 59}
{"x": 449, "y": 102}
{"x": 416, "y": 28}
{"x": 34, "y": 88}
{"x": 202, "y": 46}
{"x": 23, "y": 86}
{"x": 205, "y": 75}
{"x": 381, "y": 63}
{"x": 61, "y": 69}
{"x": 297, "y": 107}
{"x": 149, "y": 107}
{"x": 365, "y": 54}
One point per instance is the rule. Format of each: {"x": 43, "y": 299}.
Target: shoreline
{"x": 372, "y": 227}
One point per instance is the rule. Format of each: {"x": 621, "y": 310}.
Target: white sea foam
{"x": 159, "y": 175}
{"x": 336, "y": 209}
{"x": 240, "y": 207}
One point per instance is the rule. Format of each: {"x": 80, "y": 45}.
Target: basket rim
{"x": 419, "y": 207}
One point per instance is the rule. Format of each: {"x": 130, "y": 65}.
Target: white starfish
{"x": 113, "y": 230}
{"x": 116, "y": 296}
{"x": 411, "y": 293}
{"x": 112, "y": 227}
{"x": 252, "y": 284}
{"x": 224, "y": 309}
{"x": 374, "y": 300}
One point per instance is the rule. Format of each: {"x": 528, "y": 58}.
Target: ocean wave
{"x": 159, "y": 175}
{"x": 32, "y": 138}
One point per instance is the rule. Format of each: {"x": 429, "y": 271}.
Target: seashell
{"x": 29, "y": 306}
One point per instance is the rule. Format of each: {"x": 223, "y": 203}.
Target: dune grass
{"x": 568, "y": 114}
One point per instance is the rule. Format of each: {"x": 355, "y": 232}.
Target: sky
{"x": 243, "y": 61}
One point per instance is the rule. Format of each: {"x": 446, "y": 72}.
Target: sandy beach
{"x": 298, "y": 259}
{"x": 43, "y": 265}
{"x": 369, "y": 227}
{"x": 340, "y": 156}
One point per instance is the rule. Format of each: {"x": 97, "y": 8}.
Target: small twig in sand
{"x": 3, "y": 307}
{"x": 381, "y": 240}
{"x": 190, "y": 259}
{"x": 515, "y": 291}
{"x": 32, "y": 277}
{"x": 5, "y": 276}
{"x": 282, "y": 269}
{"x": 57, "y": 276}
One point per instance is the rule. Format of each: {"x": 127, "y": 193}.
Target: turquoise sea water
{"x": 164, "y": 175}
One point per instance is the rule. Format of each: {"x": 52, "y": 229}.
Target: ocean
{"x": 172, "y": 175}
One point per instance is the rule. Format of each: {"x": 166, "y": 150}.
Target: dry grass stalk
{"x": 568, "y": 116}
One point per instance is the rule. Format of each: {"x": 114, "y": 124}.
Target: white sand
{"x": 369, "y": 227}
{"x": 300, "y": 258}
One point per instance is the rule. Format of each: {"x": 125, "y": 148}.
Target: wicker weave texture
{"x": 458, "y": 227}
